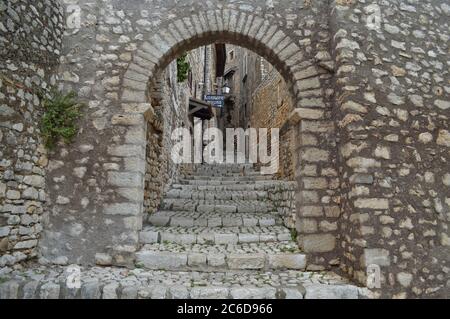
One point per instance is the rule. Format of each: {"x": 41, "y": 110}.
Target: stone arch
{"x": 228, "y": 26}
{"x": 301, "y": 72}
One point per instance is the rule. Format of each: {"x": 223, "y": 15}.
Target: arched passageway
{"x": 371, "y": 115}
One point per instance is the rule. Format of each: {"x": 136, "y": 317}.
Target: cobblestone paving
{"x": 217, "y": 241}
{"x": 165, "y": 218}
{"x": 114, "y": 283}
{"x": 228, "y": 233}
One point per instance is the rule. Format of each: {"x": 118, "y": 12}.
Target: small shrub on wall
{"x": 59, "y": 122}
{"x": 183, "y": 68}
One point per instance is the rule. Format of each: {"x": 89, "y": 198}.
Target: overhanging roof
{"x": 200, "y": 109}
{"x": 230, "y": 71}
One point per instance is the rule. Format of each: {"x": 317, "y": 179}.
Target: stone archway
{"x": 306, "y": 80}
{"x": 377, "y": 93}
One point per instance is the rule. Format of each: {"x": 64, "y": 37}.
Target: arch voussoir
{"x": 211, "y": 21}
{"x": 219, "y": 19}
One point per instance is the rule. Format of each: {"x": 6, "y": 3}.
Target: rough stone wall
{"x": 30, "y": 41}
{"x": 271, "y": 107}
{"x": 170, "y": 111}
{"x": 318, "y": 196}
{"x": 109, "y": 59}
{"x": 383, "y": 200}
{"x": 393, "y": 109}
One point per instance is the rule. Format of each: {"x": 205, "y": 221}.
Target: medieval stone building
{"x": 361, "y": 209}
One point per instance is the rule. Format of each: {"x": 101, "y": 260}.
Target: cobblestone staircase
{"x": 220, "y": 225}
{"x": 220, "y": 233}
{"x": 219, "y": 218}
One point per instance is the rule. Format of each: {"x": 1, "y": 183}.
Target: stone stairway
{"x": 223, "y": 221}
{"x": 220, "y": 233}
{"x": 219, "y": 218}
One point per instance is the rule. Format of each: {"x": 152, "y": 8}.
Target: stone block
{"x": 127, "y": 150}
{"x": 314, "y": 155}
{"x": 103, "y": 259}
{"x": 222, "y": 239}
{"x": 372, "y": 203}
{"x": 214, "y": 222}
{"x": 30, "y": 289}
{"x": 129, "y": 292}
{"x": 248, "y": 238}
{"x": 253, "y": 293}
{"x": 265, "y": 222}
{"x": 110, "y": 291}
{"x": 322, "y": 291}
{"x": 159, "y": 220}
{"x": 292, "y": 293}
{"x": 179, "y": 292}
{"x": 125, "y": 179}
{"x": 249, "y": 222}
{"x": 148, "y": 237}
{"x": 9, "y": 290}
{"x": 318, "y": 243}
{"x": 161, "y": 260}
{"x": 127, "y": 119}
{"x": 49, "y": 290}
{"x": 375, "y": 256}
{"x": 311, "y": 211}
{"x": 306, "y": 225}
{"x": 182, "y": 221}
{"x": 90, "y": 290}
{"x": 122, "y": 209}
{"x": 209, "y": 293}
{"x": 231, "y": 221}
{"x": 159, "y": 292}
{"x": 216, "y": 260}
{"x": 246, "y": 261}
{"x": 287, "y": 261}
{"x": 26, "y": 244}
{"x": 226, "y": 209}
{"x": 196, "y": 259}
{"x": 315, "y": 183}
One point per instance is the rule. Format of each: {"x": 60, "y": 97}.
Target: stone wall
{"x": 271, "y": 108}
{"x": 109, "y": 58}
{"x": 392, "y": 103}
{"x": 30, "y": 41}
{"x": 170, "y": 105}
{"x": 370, "y": 119}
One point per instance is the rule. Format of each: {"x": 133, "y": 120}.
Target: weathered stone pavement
{"x": 214, "y": 237}
{"x": 119, "y": 283}
{"x": 226, "y": 219}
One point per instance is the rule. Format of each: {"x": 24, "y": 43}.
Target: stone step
{"x": 225, "y": 174}
{"x": 203, "y": 257}
{"x": 213, "y": 182}
{"x": 219, "y": 194}
{"x": 120, "y": 283}
{"x": 213, "y": 235}
{"x": 222, "y": 178}
{"x": 257, "y": 186}
{"x": 224, "y": 167}
{"x": 217, "y": 205}
{"x": 190, "y": 219}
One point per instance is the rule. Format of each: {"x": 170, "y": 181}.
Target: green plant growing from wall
{"x": 183, "y": 68}
{"x": 59, "y": 121}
